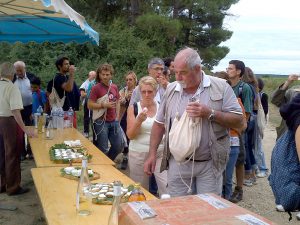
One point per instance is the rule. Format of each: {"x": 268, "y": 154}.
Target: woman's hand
{"x": 143, "y": 115}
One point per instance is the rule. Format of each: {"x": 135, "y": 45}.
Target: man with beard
{"x": 65, "y": 85}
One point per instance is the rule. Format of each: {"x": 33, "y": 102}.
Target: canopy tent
{"x": 43, "y": 20}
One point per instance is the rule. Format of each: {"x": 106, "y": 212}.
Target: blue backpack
{"x": 285, "y": 173}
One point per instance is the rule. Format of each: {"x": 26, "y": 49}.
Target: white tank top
{"x": 141, "y": 142}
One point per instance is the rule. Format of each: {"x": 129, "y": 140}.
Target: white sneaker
{"x": 280, "y": 208}
{"x": 86, "y": 135}
{"x": 298, "y": 216}
{"x": 261, "y": 174}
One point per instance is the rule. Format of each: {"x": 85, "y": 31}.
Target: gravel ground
{"x": 258, "y": 199}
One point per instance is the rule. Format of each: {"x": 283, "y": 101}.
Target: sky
{"x": 266, "y": 36}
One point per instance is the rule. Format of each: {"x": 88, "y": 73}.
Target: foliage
{"x": 131, "y": 33}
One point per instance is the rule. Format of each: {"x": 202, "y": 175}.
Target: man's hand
{"x": 149, "y": 165}
{"x": 109, "y": 105}
{"x": 30, "y": 132}
{"x": 196, "y": 109}
{"x": 72, "y": 69}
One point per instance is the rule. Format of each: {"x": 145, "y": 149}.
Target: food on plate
{"x": 105, "y": 194}
{"x": 74, "y": 173}
{"x": 62, "y": 153}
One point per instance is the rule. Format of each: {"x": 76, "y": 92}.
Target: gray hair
{"x": 154, "y": 61}
{"x": 193, "y": 58}
{"x": 7, "y": 70}
{"x": 19, "y": 64}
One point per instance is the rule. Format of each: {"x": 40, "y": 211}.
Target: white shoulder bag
{"x": 185, "y": 137}
{"x": 54, "y": 99}
{"x": 97, "y": 113}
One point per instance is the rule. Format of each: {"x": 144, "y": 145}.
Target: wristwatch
{"x": 212, "y": 115}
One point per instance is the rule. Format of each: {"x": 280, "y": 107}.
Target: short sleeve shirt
{"x": 10, "y": 98}
{"x": 99, "y": 90}
{"x": 246, "y": 96}
{"x": 59, "y": 80}
{"x": 38, "y": 100}
{"x": 178, "y": 105}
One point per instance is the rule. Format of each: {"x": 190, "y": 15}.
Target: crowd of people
{"x": 218, "y": 121}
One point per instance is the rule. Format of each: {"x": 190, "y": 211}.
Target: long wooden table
{"x": 57, "y": 195}
{"x": 40, "y": 148}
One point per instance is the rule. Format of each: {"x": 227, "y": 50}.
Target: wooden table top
{"x": 40, "y": 148}
{"x": 57, "y": 195}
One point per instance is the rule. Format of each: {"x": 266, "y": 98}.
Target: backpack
{"x": 285, "y": 173}
{"x": 240, "y": 93}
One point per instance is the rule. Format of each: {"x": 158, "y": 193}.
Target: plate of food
{"x": 73, "y": 143}
{"x": 103, "y": 193}
{"x": 62, "y": 153}
{"x": 73, "y": 173}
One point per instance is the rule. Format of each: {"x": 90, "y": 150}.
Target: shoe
{"x": 124, "y": 163}
{"x": 29, "y": 156}
{"x": 2, "y": 189}
{"x": 261, "y": 174}
{"x": 248, "y": 182}
{"x": 253, "y": 180}
{"x": 298, "y": 216}
{"x": 86, "y": 135}
{"x": 237, "y": 195}
{"x": 20, "y": 191}
{"x": 280, "y": 208}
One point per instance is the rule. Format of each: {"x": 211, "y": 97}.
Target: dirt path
{"x": 258, "y": 198}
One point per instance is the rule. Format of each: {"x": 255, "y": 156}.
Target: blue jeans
{"x": 228, "y": 173}
{"x": 249, "y": 145}
{"x": 108, "y": 131}
{"x": 260, "y": 155}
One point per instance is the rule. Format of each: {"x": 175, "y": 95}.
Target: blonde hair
{"x": 133, "y": 75}
{"x": 148, "y": 81}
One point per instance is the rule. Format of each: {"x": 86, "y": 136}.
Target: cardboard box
{"x": 192, "y": 209}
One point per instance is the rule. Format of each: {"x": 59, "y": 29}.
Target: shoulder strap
{"x": 135, "y": 109}
{"x": 240, "y": 95}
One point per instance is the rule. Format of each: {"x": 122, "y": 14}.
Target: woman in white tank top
{"x": 138, "y": 131}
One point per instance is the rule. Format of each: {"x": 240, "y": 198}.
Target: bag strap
{"x": 54, "y": 87}
{"x": 240, "y": 93}
{"x": 135, "y": 109}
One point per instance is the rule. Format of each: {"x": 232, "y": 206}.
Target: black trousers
{"x": 26, "y": 116}
{"x": 86, "y": 117}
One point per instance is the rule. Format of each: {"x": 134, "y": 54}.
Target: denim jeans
{"x": 249, "y": 145}
{"x": 260, "y": 155}
{"x": 228, "y": 173}
{"x": 108, "y": 131}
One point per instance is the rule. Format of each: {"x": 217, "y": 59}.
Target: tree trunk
{"x": 175, "y": 9}
{"x": 135, "y": 11}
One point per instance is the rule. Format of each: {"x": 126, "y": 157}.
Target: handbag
{"x": 97, "y": 113}
{"x": 54, "y": 99}
{"x": 185, "y": 137}
{"x": 261, "y": 119}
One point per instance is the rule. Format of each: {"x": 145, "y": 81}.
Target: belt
{"x": 195, "y": 160}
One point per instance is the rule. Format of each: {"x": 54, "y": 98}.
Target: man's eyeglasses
{"x": 157, "y": 68}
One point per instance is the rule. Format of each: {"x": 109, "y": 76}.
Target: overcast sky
{"x": 266, "y": 36}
